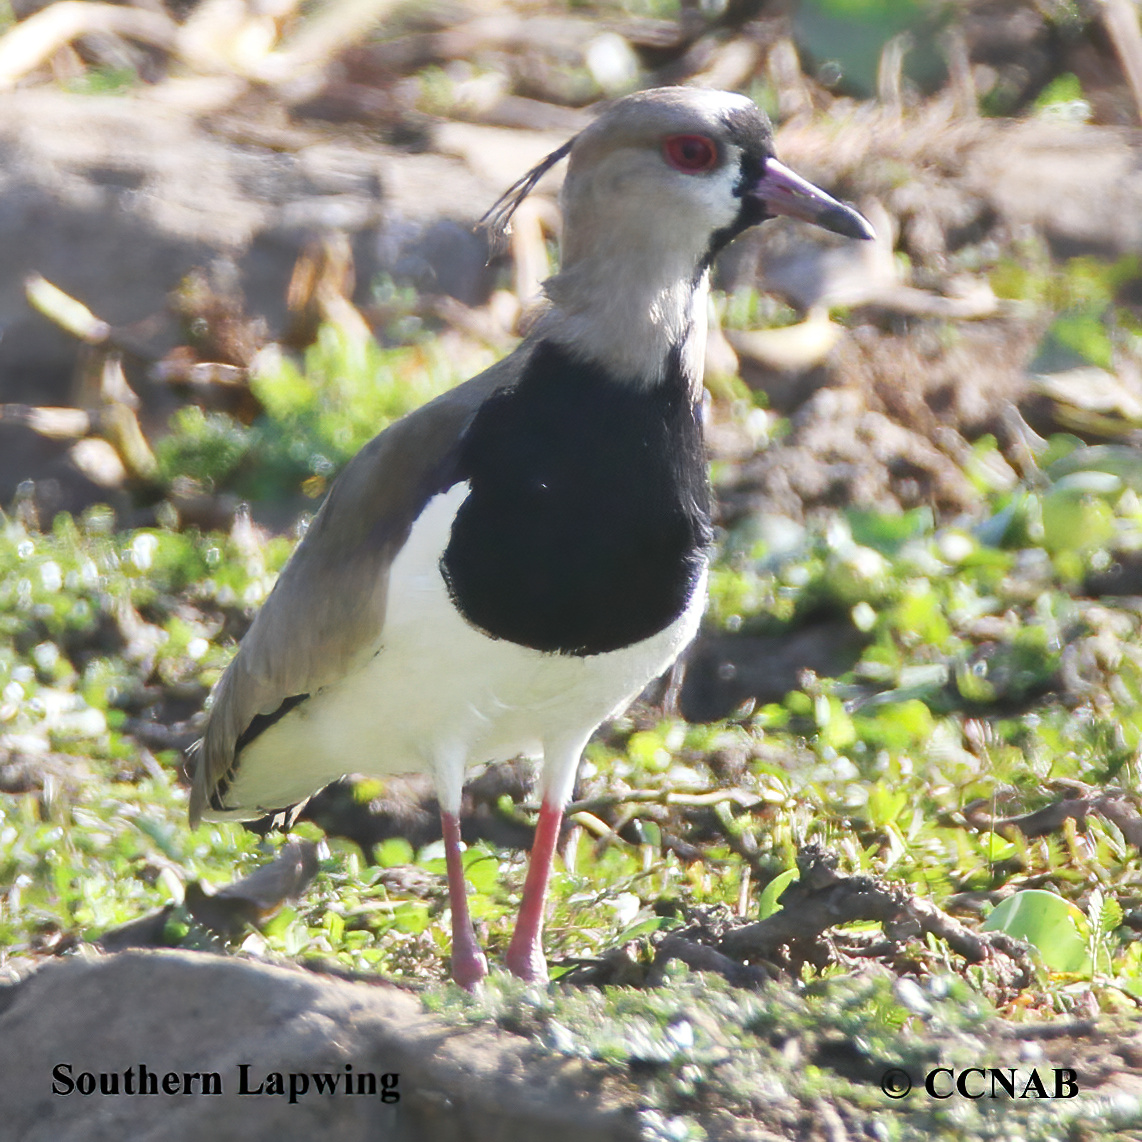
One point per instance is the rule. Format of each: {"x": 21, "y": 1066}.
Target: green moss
{"x": 202, "y": 447}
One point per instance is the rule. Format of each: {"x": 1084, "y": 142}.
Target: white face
{"x": 650, "y": 186}
{"x": 658, "y": 212}
{"x": 652, "y": 201}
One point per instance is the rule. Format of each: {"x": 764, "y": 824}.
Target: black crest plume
{"x": 497, "y": 221}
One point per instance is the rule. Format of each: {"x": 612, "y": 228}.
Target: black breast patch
{"x": 588, "y": 518}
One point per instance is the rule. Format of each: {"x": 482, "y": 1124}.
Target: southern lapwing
{"x": 508, "y": 566}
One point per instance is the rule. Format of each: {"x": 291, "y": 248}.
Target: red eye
{"x": 690, "y": 153}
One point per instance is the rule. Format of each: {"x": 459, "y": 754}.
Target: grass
{"x": 993, "y": 681}
{"x": 701, "y": 1049}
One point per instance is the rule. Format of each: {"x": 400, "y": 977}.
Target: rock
{"x": 725, "y": 670}
{"x": 180, "y": 1014}
{"x": 114, "y": 199}
{"x": 1080, "y": 186}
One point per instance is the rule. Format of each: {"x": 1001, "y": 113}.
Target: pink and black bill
{"x": 781, "y": 191}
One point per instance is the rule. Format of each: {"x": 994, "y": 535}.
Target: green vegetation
{"x": 959, "y": 698}
{"x": 993, "y": 680}
{"x": 698, "y": 1045}
{"x": 978, "y": 750}
{"x": 316, "y": 415}
{"x": 101, "y": 80}
{"x": 1063, "y": 98}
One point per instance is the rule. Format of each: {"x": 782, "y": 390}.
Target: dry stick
{"x": 596, "y": 827}
{"x": 32, "y": 42}
{"x": 700, "y": 957}
{"x": 55, "y": 423}
{"x": 862, "y": 898}
{"x": 822, "y": 899}
{"x": 958, "y": 58}
{"x": 890, "y": 73}
{"x": 321, "y": 37}
{"x": 116, "y": 420}
{"x": 73, "y": 317}
{"x": 1112, "y": 806}
{"x": 664, "y": 797}
{"x": 846, "y": 900}
{"x": 64, "y": 310}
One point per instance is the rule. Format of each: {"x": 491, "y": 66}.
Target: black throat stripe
{"x": 588, "y": 519}
{"x": 752, "y": 133}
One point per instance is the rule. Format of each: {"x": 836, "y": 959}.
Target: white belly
{"x": 439, "y": 695}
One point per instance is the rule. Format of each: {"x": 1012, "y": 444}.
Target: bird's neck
{"x": 637, "y": 325}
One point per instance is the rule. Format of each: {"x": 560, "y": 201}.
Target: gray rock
{"x": 179, "y": 1014}
{"x": 115, "y": 198}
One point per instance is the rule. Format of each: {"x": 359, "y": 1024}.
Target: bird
{"x": 505, "y": 568}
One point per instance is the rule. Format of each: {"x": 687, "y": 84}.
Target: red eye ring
{"x": 691, "y": 154}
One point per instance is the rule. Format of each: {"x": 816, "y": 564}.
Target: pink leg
{"x": 525, "y": 953}
{"x": 469, "y": 964}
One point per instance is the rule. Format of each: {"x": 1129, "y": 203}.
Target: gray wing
{"x": 327, "y": 609}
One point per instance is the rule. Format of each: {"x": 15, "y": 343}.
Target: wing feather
{"x": 327, "y": 609}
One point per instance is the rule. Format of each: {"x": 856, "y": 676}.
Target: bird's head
{"x": 657, "y": 185}
{"x": 680, "y": 172}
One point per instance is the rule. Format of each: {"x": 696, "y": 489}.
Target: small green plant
{"x": 204, "y": 447}
{"x": 1063, "y": 98}
{"x": 1104, "y": 917}
{"x": 317, "y": 415}
{"x": 1057, "y": 929}
{"x": 103, "y": 80}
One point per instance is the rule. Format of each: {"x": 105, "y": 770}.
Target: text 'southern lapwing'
{"x": 508, "y": 566}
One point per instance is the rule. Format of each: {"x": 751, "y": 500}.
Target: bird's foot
{"x": 525, "y": 953}
{"x": 527, "y": 961}
{"x": 469, "y": 966}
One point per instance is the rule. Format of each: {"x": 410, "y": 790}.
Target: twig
{"x": 890, "y": 73}
{"x": 664, "y": 797}
{"x": 69, "y": 314}
{"x": 822, "y": 899}
{"x": 699, "y": 957}
{"x": 54, "y": 423}
{"x": 322, "y": 37}
{"x": 596, "y": 827}
{"x": 32, "y": 42}
{"x": 1113, "y": 806}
